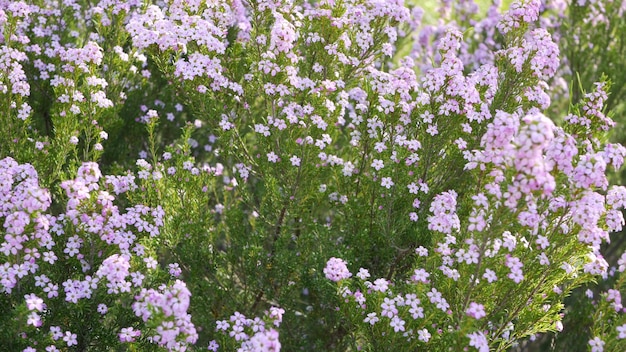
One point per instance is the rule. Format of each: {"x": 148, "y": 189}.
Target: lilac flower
{"x": 276, "y": 314}
{"x": 416, "y": 311}
{"x": 295, "y": 161}
{"x": 436, "y": 298}
{"x": 172, "y": 303}
{"x": 420, "y": 275}
{"x": 490, "y": 275}
{"x": 387, "y": 182}
{"x": 70, "y": 338}
{"x": 397, "y": 324}
{"x": 128, "y": 334}
{"x": 615, "y": 297}
{"x": 213, "y": 346}
{"x": 478, "y": 341}
{"x": 34, "y": 303}
{"x": 597, "y": 265}
{"x": 519, "y": 13}
{"x": 283, "y": 34}
{"x": 56, "y": 332}
{"x": 115, "y": 268}
{"x": 423, "y": 335}
{"x": 421, "y": 251}
{"x": 388, "y": 308}
{"x": 371, "y": 319}
{"x": 336, "y": 269}
{"x": 174, "y": 269}
{"x": 380, "y": 285}
{"x": 272, "y": 157}
{"x": 363, "y": 274}
{"x": 621, "y": 330}
{"x": 515, "y": 265}
{"x": 476, "y": 311}
{"x": 222, "y": 325}
{"x": 265, "y": 341}
{"x": 444, "y": 218}
{"x": 597, "y": 345}
{"x": 151, "y": 263}
{"x": 34, "y": 319}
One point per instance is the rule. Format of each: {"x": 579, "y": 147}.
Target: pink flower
{"x": 371, "y": 319}
{"x": 387, "y": 182}
{"x": 336, "y": 269}
{"x": 444, "y": 218}
{"x": 70, "y": 339}
{"x": 295, "y": 161}
{"x": 397, "y": 324}
{"x": 128, "y": 334}
{"x": 621, "y": 330}
{"x": 479, "y": 341}
{"x": 420, "y": 275}
{"x": 265, "y": 341}
{"x": 388, "y": 308}
{"x": 34, "y": 303}
{"x": 476, "y": 310}
{"x": 423, "y": 335}
{"x": 363, "y": 274}
{"x": 597, "y": 345}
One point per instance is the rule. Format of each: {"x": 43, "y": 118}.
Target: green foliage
{"x": 252, "y": 214}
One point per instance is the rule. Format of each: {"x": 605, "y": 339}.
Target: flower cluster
{"x": 93, "y": 235}
{"x": 174, "y": 330}
{"x": 252, "y": 335}
{"x": 336, "y": 269}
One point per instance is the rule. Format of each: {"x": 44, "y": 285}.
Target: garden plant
{"x": 333, "y": 175}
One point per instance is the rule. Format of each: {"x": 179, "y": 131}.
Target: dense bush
{"x": 310, "y": 175}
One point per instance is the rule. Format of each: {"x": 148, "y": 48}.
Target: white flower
{"x": 387, "y": 182}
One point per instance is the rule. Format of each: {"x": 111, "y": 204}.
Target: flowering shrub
{"x": 328, "y": 175}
